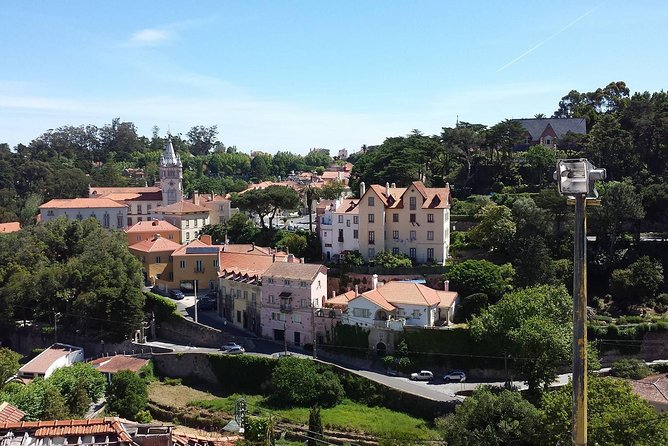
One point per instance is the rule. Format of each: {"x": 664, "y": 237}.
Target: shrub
{"x": 313, "y": 387}
{"x": 405, "y": 364}
{"x": 242, "y": 373}
{"x": 127, "y": 394}
{"x": 172, "y": 381}
{"x": 630, "y": 368}
{"x": 471, "y": 305}
{"x": 163, "y": 308}
{"x": 388, "y": 260}
{"x": 388, "y": 361}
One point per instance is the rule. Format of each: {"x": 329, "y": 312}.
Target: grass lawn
{"x": 347, "y": 416}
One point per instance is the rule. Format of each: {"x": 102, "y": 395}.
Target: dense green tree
{"x": 541, "y": 160}
{"x": 639, "y": 283}
{"x": 492, "y": 418}
{"x": 54, "y": 406}
{"x": 534, "y": 325}
{"x": 464, "y": 141}
{"x": 317, "y": 158}
{"x": 254, "y": 201}
{"x": 9, "y": 365}
{"x": 616, "y": 416}
{"x": 532, "y": 262}
{"x": 70, "y": 381}
{"x": 240, "y": 229}
{"x": 229, "y": 164}
{"x": 281, "y": 198}
{"x": 388, "y": 260}
{"x": 495, "y": 230}
{"x": 294, "y": 243}
{"x": 120, "y": 138}
{"x": 481, "y": 276}
{"x": 471, "y": 305}
{"x": 610, "y": 146}
{"x": 202, "y": 140}
{"x": 315, "y": 387}
{"x": 127, "y": 394}
{"x": 260, "y": 167}
{"x": 285, "y": 163}
{"x": 315, "y": 426}
{"x": 217, "y": 233}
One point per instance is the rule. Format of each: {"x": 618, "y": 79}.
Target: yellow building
{"x": 188, "y": 217}
{"x": 155, "y": 256}
{"x": 413, "y": 220}
{"x": 198, "y": 261}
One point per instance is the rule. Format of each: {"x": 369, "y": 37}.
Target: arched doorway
{"x": 381, "y": 349}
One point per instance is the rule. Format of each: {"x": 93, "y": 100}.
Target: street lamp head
{"x": 577, "y": 177}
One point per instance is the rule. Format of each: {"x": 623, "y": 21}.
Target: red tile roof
{"x": 341, "y": 299}
{"x": 295, "y": 271}
{"x": 183, "y": 439}
{"x": 10, "y": 414}
{"x": 157, "y": 244}
{"x": 81, "y": 203}
{"x": 152, "y": 226}
{"x": 68, "y": 428}
{"x": 348, "y": 206}
{"x": 113, "y": 364}
{"x": 246, "y": 264}
{"x": 182, "y": 207}
{"x": 95, "y": 190}
{"x": 434, "y": 197}
{"x": 197, "y": 244}
{"x": 12, "y": 226}
{"x": 396, "y": 293}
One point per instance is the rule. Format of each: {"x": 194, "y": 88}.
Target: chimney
{"x": 154, "y": 223}
{"x": 387, "y": 189}
{"x": 273, "y": 258}
{"x": 357, "y": 290}
{"x": 206, "y": 239}
{"x": 446, "y": 285}
{"x": 291, "y": 258}
{"x": 374, "y": 281}
{"x": 302, "y": 260}
{"x": 196, "y": 197}
{"x": 287, "y": 250}
{"x": 157, "y": 236}
{"x": 362, "y": 189}
{"x": 212, "y": 195}
{"x": 333, "y": 294}
{"x": 394, "y": 185}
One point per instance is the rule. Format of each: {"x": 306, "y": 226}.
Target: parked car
{"x": 207, "y": 303}
{"x": 281, "y": 354}
{"x": 422, "y": 375}
{"x": 455, "y": 375}
{"x": 176, "y": 294}
{"x": 235, "y": 350}
{"x": 229, "y": 346}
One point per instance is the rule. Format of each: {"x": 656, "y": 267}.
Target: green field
{"x": 347, "y": 416}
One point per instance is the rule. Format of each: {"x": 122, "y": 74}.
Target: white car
{"x": 422, "y": 375}
{"x": 235, "y": 350}
{"x": 231, "y": 346}
{"x": 455, "y": 375}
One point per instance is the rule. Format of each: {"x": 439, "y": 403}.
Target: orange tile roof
{"x": 182, "y": 207}
{"x": 10, "y": 414}
{"x": 69, "y": 428}
{"x": 182, "y": 251}
{"x": 341, "y": 299}
{"x": 12, "y": 226}
{"x": 184, "y": 439}
{"x": 246, "y": 264}
{"x": 157, "y": 244}
{"x": 122, "y": 190}
{"x": 81, "y": 203}
{"x": 113, "y": 364}
{"x": 295, "y": 271}
{"x": 152, "y": 226}
{"x": 40, "y": 363}
{"x": 248, "y": 248}
{"x": 434, "y": 197}
{"x": 348, "y": 206}
{"x": 396, "y": 293}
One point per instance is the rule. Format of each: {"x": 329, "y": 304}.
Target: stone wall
{"x": 186, "y": 332}
{"x": 194, "y": 367}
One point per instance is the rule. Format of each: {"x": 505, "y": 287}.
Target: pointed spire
{"x": 170, "y": 158}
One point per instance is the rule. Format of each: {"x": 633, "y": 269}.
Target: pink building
{"x": 292, "y": 293}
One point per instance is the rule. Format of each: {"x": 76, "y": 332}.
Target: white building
{"x": 54, "y": 357}
{"x": 110, "y": 213}
{"x": 397, "y": 304}
{"x": 339, "y": 228}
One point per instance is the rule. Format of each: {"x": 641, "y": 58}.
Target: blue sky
{"x": 277, "y": 75}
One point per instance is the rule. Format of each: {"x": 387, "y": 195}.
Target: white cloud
{"x": 149, "y": 37}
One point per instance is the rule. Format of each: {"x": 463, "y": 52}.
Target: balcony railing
{"x": 199, "y": 270}
{"x": 286, "y": 308}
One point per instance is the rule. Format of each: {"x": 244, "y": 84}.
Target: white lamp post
{"x": 576, "y": 177}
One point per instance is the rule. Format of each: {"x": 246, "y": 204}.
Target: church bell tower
{"x": 171, "y": 175}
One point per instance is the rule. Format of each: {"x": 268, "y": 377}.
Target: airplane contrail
{"x": 538, "y": 45}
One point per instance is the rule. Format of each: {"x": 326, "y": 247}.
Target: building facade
{"x": 413, "y": 220}
{"x": 111, "y": 214}
{"x": 188, "y": 217}
{"x": 148, "y": 230}
{"x": 292, "y": 294}
{"x": 156, "y": 260}
{"x": 339, "y": 228}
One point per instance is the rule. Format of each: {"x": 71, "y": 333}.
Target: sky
{"x": 290, "y": 75}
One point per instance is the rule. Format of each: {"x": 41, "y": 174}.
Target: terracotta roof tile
{"x": 12, "y": 226}
{"x": 67, "y": 428}
{"x": 113, "y": 364}
{"x": 295, "y": 271}
{"x": 182, "y": 207}
{"x": 10, "y": 414}
{"x": 377, "y": 298}
{"x": 348, "y": 206}
{"x": 152, "y": 226}
{"x": 157, "y": 244}
{"x": 182, "y": 251}
{"x": 341, "y": 299}
{"x": 94, "y": 190}
{"x": 396, "y": 293}
{"x": 81, "y": 203}
{"x": 250, "y": 264}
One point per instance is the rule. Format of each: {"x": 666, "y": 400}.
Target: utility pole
{"x": 195, "y": 283}
{"x": 315, "y": 335}
{"x": 579, "y": 323}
